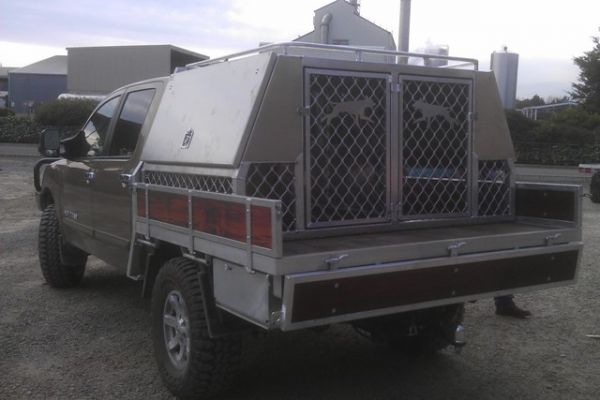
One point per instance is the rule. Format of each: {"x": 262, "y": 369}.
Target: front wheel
{"x": 50, "y": 246}
{"x": 191, "y": 364}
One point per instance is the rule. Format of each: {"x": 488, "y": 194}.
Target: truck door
{"x": 78, "y": 177}
{"x": 111, "y": 201}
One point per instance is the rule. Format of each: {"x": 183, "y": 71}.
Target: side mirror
{"x": 75, "y": 146}
{"x": 49, "y": 143}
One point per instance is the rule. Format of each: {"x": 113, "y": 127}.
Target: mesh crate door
{"x": 347, "y": 136}
{"x": 435, "y": 141}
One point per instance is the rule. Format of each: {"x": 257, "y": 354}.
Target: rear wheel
{"x": 192, "y": 364}
{"x": 417, "y": 332}
{"x": 50, "y": 246}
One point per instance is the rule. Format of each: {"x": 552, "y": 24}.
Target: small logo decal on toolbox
{"x": 187, "y": 139}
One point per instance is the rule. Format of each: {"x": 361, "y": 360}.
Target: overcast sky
{"x": 546, "y": 33}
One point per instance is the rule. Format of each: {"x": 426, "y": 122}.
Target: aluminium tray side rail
{"x": 215, "y": 224}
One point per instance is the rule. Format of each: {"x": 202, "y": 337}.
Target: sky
{"x": 547, "y": 34}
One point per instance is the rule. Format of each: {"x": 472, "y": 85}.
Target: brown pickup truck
{"x": 302, "y": 185}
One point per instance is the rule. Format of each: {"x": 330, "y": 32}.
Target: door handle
{"x": 90, "y": 176}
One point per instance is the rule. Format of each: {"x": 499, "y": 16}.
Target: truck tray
{"x": 247, "y": 231}
{"x": 353, "y": 250}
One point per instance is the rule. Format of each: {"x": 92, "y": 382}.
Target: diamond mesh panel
{"x": 276, "y": 182}
{"x": 206, "y": 183}
{"x": 347, "y": 146}
{"x": 494, "y": 188}
{"x": 435, "y": 123}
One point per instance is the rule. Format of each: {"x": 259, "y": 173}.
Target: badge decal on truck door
{"x": 70, "y": 214}
{"x": 187, "y": 139}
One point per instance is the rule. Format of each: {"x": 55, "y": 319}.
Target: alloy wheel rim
{"x": 176, "y": 329}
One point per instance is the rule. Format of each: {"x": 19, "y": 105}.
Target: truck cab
{"x": 87, "y": 187}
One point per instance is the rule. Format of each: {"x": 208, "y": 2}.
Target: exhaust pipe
{"x": 460, "y": 340}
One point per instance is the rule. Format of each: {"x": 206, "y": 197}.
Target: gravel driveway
{"x": 93, "y": 342}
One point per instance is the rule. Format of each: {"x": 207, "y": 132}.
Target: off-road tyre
{"x": 432, "y": 329}
{"x": 212, "y": 362}
{"x": 595, "y": 187}
{"x": 57, "y": 274}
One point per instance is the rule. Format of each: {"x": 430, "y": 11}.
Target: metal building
{"x": 340, "y": 23}
{"x": 4, "y": 85}
{"x": 4, "y": 77}
{"x": 100, "y": 70}
{"x": 37, "y": 83}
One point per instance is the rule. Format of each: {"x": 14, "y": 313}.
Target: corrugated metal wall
{"x": 100, "y": 70}
{"x": 26, "y": 89}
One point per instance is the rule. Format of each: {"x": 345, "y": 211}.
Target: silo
{"x": 438, "y": 50}
{"x": 506, "y": 69}
{"x": 355, "y": 4}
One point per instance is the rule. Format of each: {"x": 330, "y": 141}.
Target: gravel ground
{"x": 94, "y": 341}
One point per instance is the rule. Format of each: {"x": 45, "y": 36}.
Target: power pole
{"x": 404, "y": 29}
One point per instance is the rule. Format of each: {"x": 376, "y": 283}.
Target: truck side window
{"x": 130, "y": 122}
{"x": 96, "y": 129}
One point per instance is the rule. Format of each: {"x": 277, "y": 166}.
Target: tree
{"x": 522, "y": 129}
{"x": 536, "y": 100}
{"x": 587, "y": 90}
{"x": 557, "y": 100}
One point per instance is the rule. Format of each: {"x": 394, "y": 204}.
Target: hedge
{"x": 556, "y": 153}
{"x": 64, "y": 112}
{"x": 15, "y": 129}
{"x": 6, "y": 112}
{"x": 67, "y": 115}
{"x": 570, "y": 137}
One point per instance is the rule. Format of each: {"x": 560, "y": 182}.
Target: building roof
{"x": 166, "y": 46}
{"x": 377, "y": 26}
{"x": 299, "y": 38}
{"x": 333, "y": 2}
{"x": 5, "y": 70}
{"x": 55, "y": 65}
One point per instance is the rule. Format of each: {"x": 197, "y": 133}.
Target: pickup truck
{"x": 593, "y": 171}
{"x": 301, "y": 185}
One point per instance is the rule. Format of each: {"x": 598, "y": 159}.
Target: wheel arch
{"x": 155, "y": 259}
{"x": 45, "y": 198}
